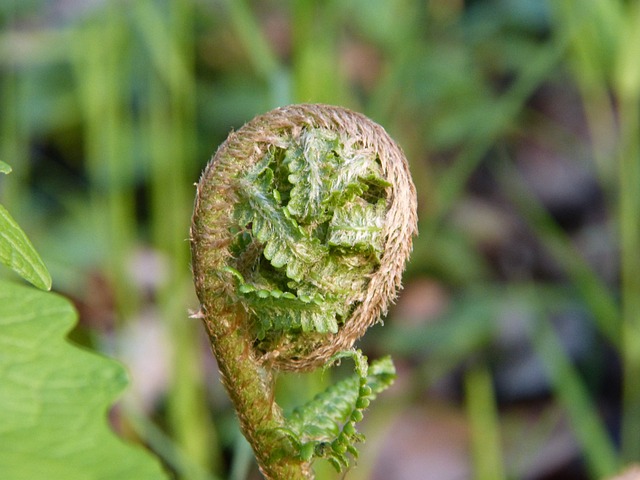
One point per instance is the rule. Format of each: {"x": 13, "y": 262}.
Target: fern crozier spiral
{"x": 302, "y": 226}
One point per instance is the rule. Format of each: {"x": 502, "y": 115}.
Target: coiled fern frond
{"x": 302, "y": 226}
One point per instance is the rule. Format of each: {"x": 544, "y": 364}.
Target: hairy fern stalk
{"x": 302, "y": 225}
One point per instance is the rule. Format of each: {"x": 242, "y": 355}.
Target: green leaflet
{"x": 17, "y": 252}
{"x": 358, "y": 226}
{"x": 283, "y": 311}
{"x": 326, "y": 175}
{"x": 325, "y": 426}
{"x": 308, "y": 232}
{"x": 311, "y": 162}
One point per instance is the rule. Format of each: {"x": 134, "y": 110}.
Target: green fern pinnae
{"x": 281, "y": 312}
{"x": 309, "y": 206}
{"x": 311, "y": 162}
{"x": 325, "y": 426}
{"x": 285, "y": 243}
{"x": 358, "y": 226}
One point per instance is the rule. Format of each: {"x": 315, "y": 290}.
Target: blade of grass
{"x": 485, "y": 428}
{"x": 97, "y": 51}
{"x": 450, "y": 184}
{"x": 261, "y": 55}
{"x": 627, "y": 93}
{"x": 599, "y": 451}
{"x": 592, "y": 28}
{"x": 250, "y": 34}
{"x": 13, "y": 133}
{"x": 164, "y": 446}
{"x": 629, "y": 227}
{"x": 165, "y": 52}
{"x": 316, "y": 63}
{"x": 169, "y": 128}
{"x": 604, "y": 37}
{"x": 594, "y": 292}
{"x": 507, "y": 107}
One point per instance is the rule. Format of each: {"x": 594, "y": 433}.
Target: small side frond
{"x": 325, "y": 426}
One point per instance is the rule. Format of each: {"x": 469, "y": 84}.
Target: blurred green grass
{"x": 110, "y": 109}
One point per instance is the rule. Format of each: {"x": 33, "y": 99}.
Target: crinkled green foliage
{"x": 308, "y": 233}
{"x": 54, "y": 397}
{"x": 325, "y": 426}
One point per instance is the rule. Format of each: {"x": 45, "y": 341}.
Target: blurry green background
{"x": 517, "y": 336}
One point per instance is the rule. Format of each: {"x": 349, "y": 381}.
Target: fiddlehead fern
{"x": 302, "y": 226}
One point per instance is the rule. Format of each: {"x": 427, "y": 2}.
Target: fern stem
{"x": 250, "y": 388}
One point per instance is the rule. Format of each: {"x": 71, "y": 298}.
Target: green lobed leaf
{"x": 17, "y": 252}
{"x": 54, "y": 398}
{"x": 325, "y": 426}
